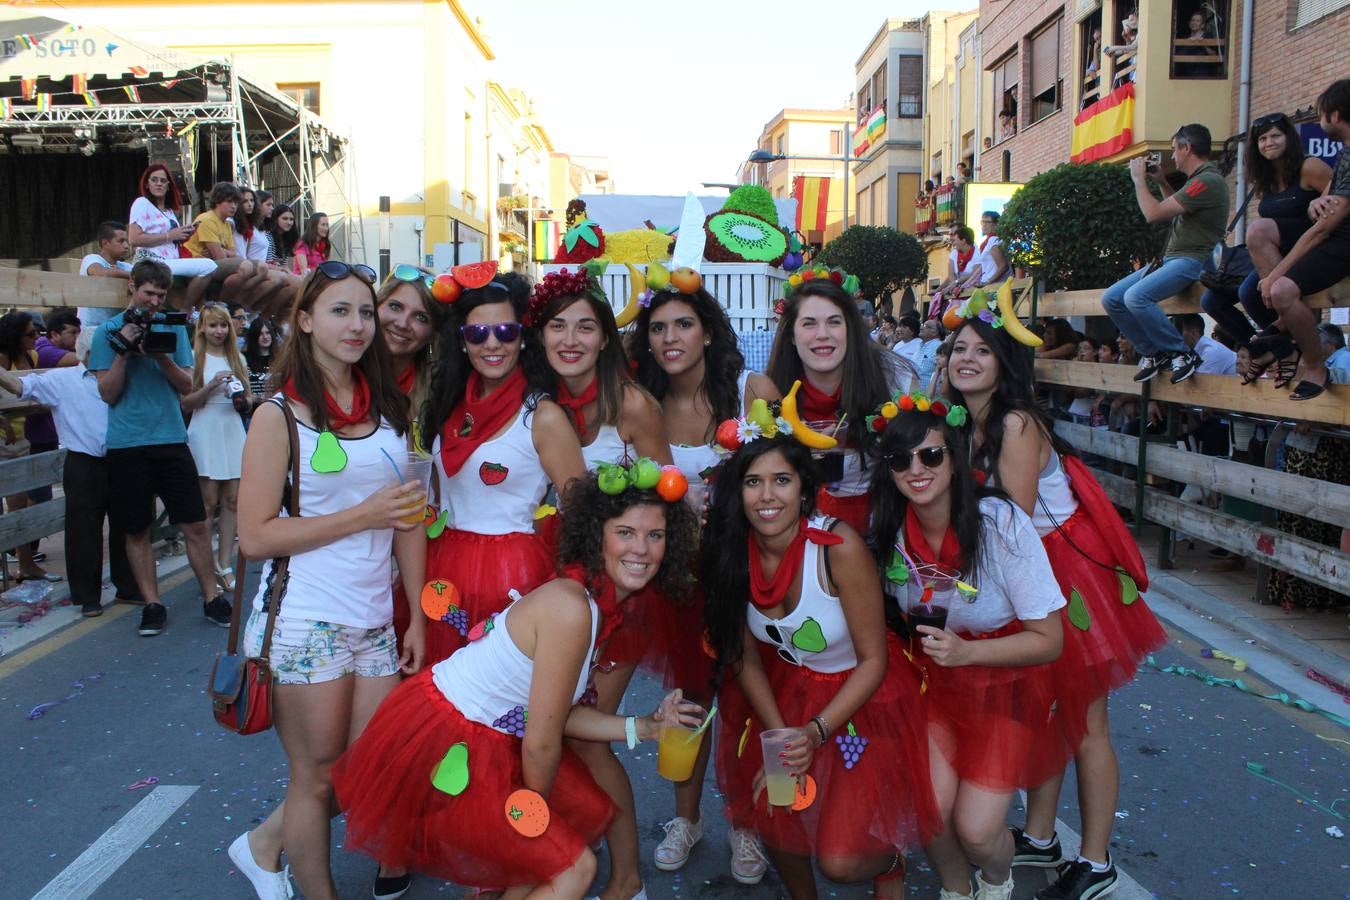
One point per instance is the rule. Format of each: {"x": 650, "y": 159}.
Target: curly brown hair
{"x": 586, "y": 509}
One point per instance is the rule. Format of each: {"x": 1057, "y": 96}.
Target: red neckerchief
{"x": 766, "y": 593}
{"x": 246, "y": 230}
{"x": 407, "y": 379}
{"x": 984, "y": 242}
{"x": 337, "y": 419}
{"x": 816, "y": 405}
{"x": 321, "y": 247}
{"x": 475, "y": 419}
{"x": 575, "y": 404}
{"x": 963, "y": 259}
{"x": 602, "y": 592}
{"x": 949, "y": 555}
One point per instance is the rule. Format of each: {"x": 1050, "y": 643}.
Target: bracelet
{"x": 822, "y": 726}
{"x": 630, "y": 732}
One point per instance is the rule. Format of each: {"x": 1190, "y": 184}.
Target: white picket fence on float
{"x": 747, "y": 291}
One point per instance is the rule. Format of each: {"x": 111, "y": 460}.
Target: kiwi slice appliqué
{"x": 747, "y": 237}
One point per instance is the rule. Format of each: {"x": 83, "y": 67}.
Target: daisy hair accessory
{"x": 954, "y": 415}
{"x": 769, "y": 420}
{"x": 583, "y": 282}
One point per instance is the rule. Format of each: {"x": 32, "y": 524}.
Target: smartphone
{"x": 1154, "y": 161}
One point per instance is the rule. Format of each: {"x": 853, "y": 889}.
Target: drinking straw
{"x": 704, "y": 727}
{"x": 397, "y": 470}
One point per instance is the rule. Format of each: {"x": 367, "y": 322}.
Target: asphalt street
{"x": 80, "y": 819}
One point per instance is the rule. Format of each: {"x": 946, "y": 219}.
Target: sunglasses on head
{"x": 505, "y": 332}
{"x": 405, "y": 272}
{"x": 929, "y": 458}
{"x": 335, "y": 269}
{"x": 1266, "y": 121}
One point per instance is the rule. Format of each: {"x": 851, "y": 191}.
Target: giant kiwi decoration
{"x": 741, "y": 237}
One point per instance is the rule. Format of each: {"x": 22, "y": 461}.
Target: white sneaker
{"x": 681, "y": 836}
{"x": 267, "y": 885}
{"x": 986, "y": 891}
{"x": 945, "y": 894}
{"x": 748, "y": 860}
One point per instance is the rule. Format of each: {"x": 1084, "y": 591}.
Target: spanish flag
{"x": 79, "y": 84}
{"x": 813, "y": 202}
{"x": 1105, "y": 127}
{"x": 28, "y": 87}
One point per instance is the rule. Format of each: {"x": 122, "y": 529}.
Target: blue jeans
{"x": 1132, "y": 303}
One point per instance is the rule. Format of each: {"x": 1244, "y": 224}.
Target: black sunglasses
{"x": 929, "y": 458}
{"x": 505, "y": 332}
{"x": 405, "y": 272}
{"x": 1266, "y": 121}
{"x": 335, "y": 269}
{"x": 785, "y": 650}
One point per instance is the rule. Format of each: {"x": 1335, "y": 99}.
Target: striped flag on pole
{"x": 133, "y": 93}
{"x": 44, "y": 102}
{"x": 29, "y": 87}
{"x": 813, "y": 202}
{"x": 6, "y": 107}
{"x": 91, "y": 99}
{"x": 79, "y": 84}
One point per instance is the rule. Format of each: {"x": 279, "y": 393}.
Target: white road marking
{"x": 107, "y": 854}
{"x": 1126, "y": 887}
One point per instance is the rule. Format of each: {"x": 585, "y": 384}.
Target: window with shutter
{"x": 879, "y": 90}
{"x": 1005, "y": 90}
{"x": 910, "y": 69}
{"x": 1308, "y": 11}
{"x": 1045, "y": 75}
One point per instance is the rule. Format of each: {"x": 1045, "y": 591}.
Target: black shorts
{"x": 140, "y": 474}
{"x": 1322, "y": 266}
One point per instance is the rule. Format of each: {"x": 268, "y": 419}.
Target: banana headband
{"x": 977, "y": 307}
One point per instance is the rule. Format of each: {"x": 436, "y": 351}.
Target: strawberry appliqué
{"x": 492, "y": 473}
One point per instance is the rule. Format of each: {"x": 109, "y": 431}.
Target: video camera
{"x": 149, "y": 341}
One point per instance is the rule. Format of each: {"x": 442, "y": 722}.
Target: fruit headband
{"x": 847, "y": 282}
{"x": 977, "y": 307}
{"x": 761, "y": 422}
{"x": 643, "y": 474}
{"x": 448, "y": 286}
{"x": 642, "y": 287}
{"x": 954, "y": 415}
{"x": 584, "y": 282}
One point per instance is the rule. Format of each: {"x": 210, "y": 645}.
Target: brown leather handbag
{"x": 241, "y": 686}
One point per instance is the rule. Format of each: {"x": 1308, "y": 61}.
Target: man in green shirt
{"x": 1198, "y": 213}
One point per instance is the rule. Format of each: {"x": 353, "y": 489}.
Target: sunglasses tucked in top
{"x": 929, "y": 458}
{"x": 505, "y": 332}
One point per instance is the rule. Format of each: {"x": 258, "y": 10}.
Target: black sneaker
{"x": 91, "y": 610}
{"x": 218, "y": 611}
{"x": 1079, "y": 882}
{"x": 153, "y": 619}
{"x": 1150, "y": 366}
{"x": 390, "y": 887}
{"x": 1184, "y": 366}
{"x": 1025, "y": 853}
{"x": 1218, "y": 553}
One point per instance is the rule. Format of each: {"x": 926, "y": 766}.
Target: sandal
{"x": 225, "y": 577}
{"x": 1286, "y": 371}
{"x": 1256, "y": 369}
{"x": 1307, "y": 390}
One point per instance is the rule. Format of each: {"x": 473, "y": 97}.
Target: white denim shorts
{"x": 305, "y": 651}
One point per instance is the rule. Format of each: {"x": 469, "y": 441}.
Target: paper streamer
{"x": 1281, "y": 697}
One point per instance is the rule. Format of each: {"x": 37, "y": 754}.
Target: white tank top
{"x": 607, "y": 447}
{"x": 488, "y": 680}
{"x": 695, "y": 460}
{"x": 499, "y": 486}
{"x": 347, "y": 581}
{"x": 1055, "y": 502}
{"x": 815, "y": 634}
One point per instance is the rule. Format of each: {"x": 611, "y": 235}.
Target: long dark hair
{"x": 13, "y": 329}
{"x": 311, "y": 234}
{"x": 284, "y": 240}
{"x": 612, "y": 376}
{"x": 257, "y": 360}
{"x": 1272, "y": 176}
{"x": 296, "y": 363}
{"x": 724, "y": 564}
{"x": 865, "y": 386}
{"x": 243, "y": 222}
{"x": 173, "y": 200}
{"x": 451, "y": 375}
{"x": 259, "y": 198}
{"x": 722, "y": 358}
{"x": 1014, "y": 391}
{"x": 905, "y": 432}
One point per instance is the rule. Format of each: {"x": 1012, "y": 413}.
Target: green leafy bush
{"x": 885, "y": 260}
{"x": 1078, "y": 227}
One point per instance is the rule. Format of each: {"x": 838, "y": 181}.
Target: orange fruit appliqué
{"x": 438, "y": 595}
{"x": 805, "y": 794}
{"x": 527, "y": 812}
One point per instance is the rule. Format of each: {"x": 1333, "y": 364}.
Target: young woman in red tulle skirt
{"x": 794, "y": 609}
{"x": 463, "y": 773}
{"x": 823, "y": 342}
{"x": 685, "y": 354}
{"x": 986, "y": 661}
{"x": 1108, "y": 628}
{"x": 497, "y": 446}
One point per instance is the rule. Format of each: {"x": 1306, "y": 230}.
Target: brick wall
{"x": 1289, "y": 69}
{"x": 1036, "y": 147}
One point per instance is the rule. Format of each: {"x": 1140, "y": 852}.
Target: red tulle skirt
{"x": 485, "y": 568}
{"x": 395, "y": 815}
{"x": 1106, "y": 654}
{"x": 664, "y": 637}
{"x": 983, "y": 718}
{"x": 856, "y": 510}
{"x": 882, "y": 805}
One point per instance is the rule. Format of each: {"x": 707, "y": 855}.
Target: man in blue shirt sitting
{"x": 142, "y": 381}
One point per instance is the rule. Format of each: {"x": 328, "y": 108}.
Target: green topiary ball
{"x": 754, "y": 200}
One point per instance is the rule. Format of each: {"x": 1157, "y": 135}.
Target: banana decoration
{"x": 1011, "y": 324}
{"x": 804, "y": 434}
{"x": 637, "y": 286}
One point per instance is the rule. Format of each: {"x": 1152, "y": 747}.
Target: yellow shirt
{"x": 211, "y": 229}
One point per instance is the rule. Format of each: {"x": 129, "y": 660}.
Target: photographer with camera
{"x": 144, "y": 365}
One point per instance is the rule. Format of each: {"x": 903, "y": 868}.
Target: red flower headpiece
{"x": 562, "y": 283}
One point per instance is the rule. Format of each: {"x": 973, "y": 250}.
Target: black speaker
{"x": 173, "y": 153}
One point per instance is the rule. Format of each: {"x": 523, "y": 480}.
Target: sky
{"x": 676, "y": 94}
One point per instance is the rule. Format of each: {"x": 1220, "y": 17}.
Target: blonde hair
{"x": 214, "y": 312}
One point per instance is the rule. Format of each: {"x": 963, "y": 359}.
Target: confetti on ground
{"x": 40, "y": 710}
